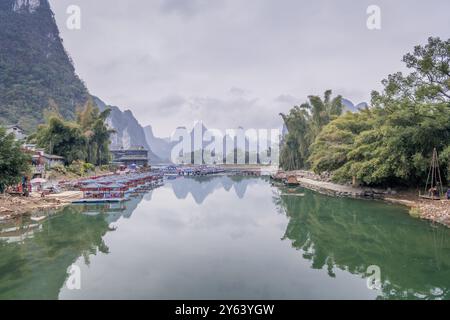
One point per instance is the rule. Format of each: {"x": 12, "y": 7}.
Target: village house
{"x": 42, "y": 160}
{"x": 18, "y": 132}
{"x": 132, "y": 156}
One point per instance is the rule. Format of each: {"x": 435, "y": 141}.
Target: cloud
{"x": 182, "y": 7}
{"x": 216, "y": 113}
{"x": 171, "y": 61}
{"x": 238, "y": 92}
{"x": 287, "y": 99}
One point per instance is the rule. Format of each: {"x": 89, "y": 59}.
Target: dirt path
{"x": 330, "y": 188}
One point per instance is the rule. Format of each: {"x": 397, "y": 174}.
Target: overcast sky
{"x": 239, "y": 63}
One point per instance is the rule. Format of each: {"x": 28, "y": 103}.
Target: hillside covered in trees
{"x": 389, "y": 143}
{"x": 35, "y": 70}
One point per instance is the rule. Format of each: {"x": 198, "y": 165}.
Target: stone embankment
{"x": 433, "y": 210}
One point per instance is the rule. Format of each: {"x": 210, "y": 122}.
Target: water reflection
{"x": 34, "y": 257}
{"x": 414, "y": 257}
{"x": 171, "y": 243}
{"x": 36, "y": 267}
{"x": 203, "y": 186}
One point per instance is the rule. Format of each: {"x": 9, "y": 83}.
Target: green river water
{"x": 226, "y": 238}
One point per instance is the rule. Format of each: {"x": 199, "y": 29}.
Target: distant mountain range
{"x": 161, "y": 147}
{"x": 129, "y": 132}
{"x": 349, "y": 106}
{"x": 36, "y": 71}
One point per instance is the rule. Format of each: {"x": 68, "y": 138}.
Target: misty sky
{"x": 239, "y": 63}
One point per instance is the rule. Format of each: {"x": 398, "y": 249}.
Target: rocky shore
{"x": 433, "y": 210}
{"x": 14, "y": 207}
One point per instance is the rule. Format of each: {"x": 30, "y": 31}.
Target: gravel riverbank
{"x": 13, "y": 207}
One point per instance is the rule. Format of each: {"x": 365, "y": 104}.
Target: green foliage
{"x": 107, "y": 167}
{"x": 392, "y": 143}
{"x": 59, "y": 168}
{"x": 93, "y": 124}
{"x": 445, "y": 159}
{"x": 80, "y": 168}
{"x": 88, "y": 167}
{"x": 34, "y": 68}
{"x": 87, "y": 139}
{"x": 13, "y": 162}
{"x": 62, "y": 138}
{"x": 304, "y": 123}
{"x": 333, "y": 144}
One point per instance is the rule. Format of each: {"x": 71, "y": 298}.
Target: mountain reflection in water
{"x": 226, "y": 237}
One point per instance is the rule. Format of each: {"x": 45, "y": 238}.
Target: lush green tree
{"x": 428, "y": 81}
{"x": 398, "y": 146}
{"x": 62, "y": 138}
{"x": 393, "y": 141}
{"x": 13, "y": 162}
{"x": 86, "y": 139}
{"x": 295, "y": 146}
{"x": 333, "y": 144}
{"x": 97, "y": 133}
{"x": 304, "y": 123}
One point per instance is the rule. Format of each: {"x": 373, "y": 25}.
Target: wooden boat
{"x": 292, "y": 181}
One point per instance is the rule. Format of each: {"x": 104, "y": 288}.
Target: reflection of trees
{"x": 37, "y": 268}
{"x": 352, "y": 235}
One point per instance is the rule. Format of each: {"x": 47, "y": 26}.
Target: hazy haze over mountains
{"x": 239, "y": 63}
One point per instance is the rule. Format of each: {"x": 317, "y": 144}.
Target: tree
{"x": 304, "y": 123}
{"x": 13, "y": 162}
{"x": 62, "y": 138}
{"x": 395, "y": 139}
{"x": 97, "y": 133}
{"x": 86, "y": 139}
{"x": 333, "y": 144}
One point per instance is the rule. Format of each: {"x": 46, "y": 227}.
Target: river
{"x": 222, "y": 237}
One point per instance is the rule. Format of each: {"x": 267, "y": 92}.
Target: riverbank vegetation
{"x": 304, "y": 124}
{"x": 13, "y": 162}
{"x": 389, "y": 143}
{"x": 85, "y": 139}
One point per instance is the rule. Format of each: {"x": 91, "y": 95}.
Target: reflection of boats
{"x": 37, "y": 219}
{"x": 16, "y": 234}
{"x": 293, "y": 194}
{"x": 93, "y": 200}
{"x": 91, "y": 213}
{"x": 105, "y": 208}
{"x": 101, "y": 207}
{"x": 171, "y": 177}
